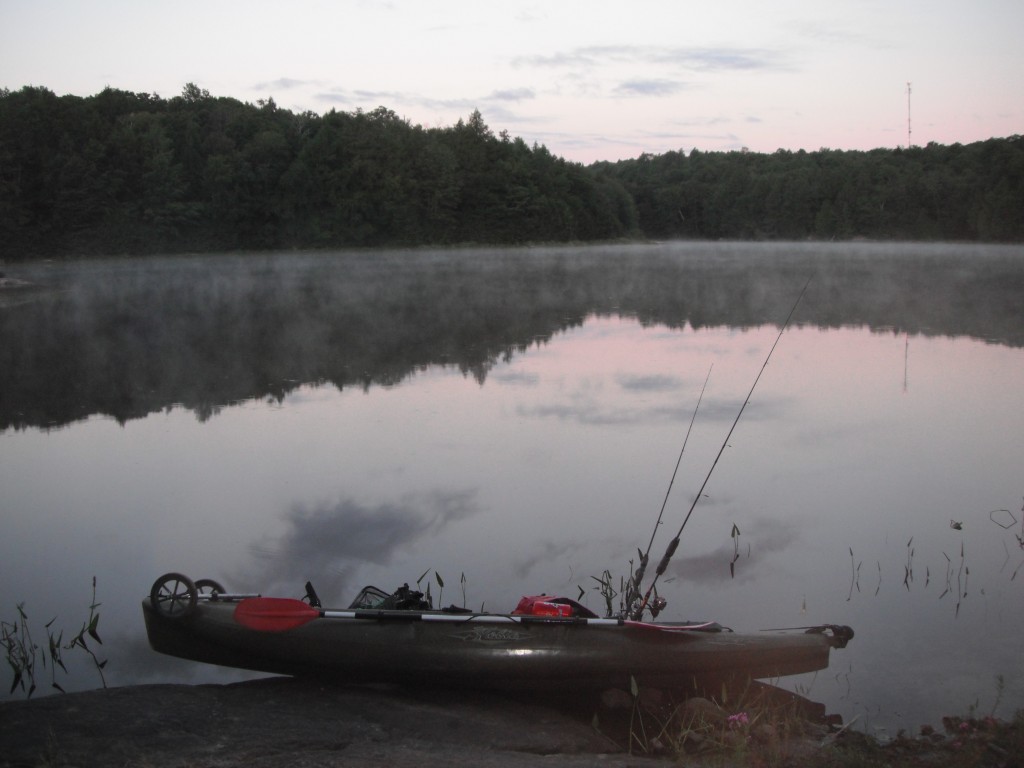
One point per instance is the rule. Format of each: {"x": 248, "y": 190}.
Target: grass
{"x": 28, "y": 661}
{"x": 764, "y": 727}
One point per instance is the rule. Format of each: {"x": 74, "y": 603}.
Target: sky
{"x": 589, "y": 79}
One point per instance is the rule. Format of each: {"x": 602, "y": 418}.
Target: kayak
{"x": 546, "y": 643}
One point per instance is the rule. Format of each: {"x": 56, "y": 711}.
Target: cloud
{"x": 365, "y": 97}
{"x": 283, "y": 84}
{"x": 618, "y": 71}
{"x": 833, "y": 35}
{"x": 649, "y": 88}
{"x": 695, "y": 59}
{"x": 334, "y": 97}
{"x": 399, "y": 99}
{"x": 512, "y": 94}
{"x": 555, "y": 61}
{"x": 701, "y": 122}
{"x": 378, "y": 96}
{"x": 723, "y": 59}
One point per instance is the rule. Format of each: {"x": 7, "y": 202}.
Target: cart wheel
{"x": 173, "y": 595}
{"x": 209, "y": 588}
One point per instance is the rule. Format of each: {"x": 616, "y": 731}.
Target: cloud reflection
{"x": 586, "y": 411}
{"x": 333, "y": 541}
{"x": 766, "y": 537}
{"x": 546, "y": 552}
{"x": 516, "y": 378}
{"x": 650, "y": 383}
{"x": 594, "y": 414}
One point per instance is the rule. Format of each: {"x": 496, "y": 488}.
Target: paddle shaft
{"x": 268, "y": 614}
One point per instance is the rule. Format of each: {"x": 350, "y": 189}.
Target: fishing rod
{"x": 635, "y": 583}
{"x": 674, "y": 544}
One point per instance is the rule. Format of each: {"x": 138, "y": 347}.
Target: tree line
{"x": 123, "y": 172}
{"x": 972, "y": 192}
{"x": 131, "y": 172}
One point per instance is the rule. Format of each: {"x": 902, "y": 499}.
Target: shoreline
{"x": 286, "y": 721}
{"x": 282, "y": 721}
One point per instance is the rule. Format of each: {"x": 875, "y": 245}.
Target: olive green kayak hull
{"x": 491, "y": 651}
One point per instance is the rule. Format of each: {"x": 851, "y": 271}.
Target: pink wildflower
{"x": 738, "y": 720}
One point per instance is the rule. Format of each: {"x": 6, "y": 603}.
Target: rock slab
{"x": 300, "y": 724}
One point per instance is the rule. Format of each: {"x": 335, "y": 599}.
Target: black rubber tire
{"x": 173, "y": 596}
{"x": 208, "y": 587}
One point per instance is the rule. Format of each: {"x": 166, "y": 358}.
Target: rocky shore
{"x": 285, "y": 722}
{"x": 296, "y": 723}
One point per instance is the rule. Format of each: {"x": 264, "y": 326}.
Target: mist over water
{"x": 514, "y": 417}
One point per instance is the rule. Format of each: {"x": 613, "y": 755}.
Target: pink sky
{"x": 590, "y": 79}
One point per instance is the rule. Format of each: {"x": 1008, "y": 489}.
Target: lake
{"x": 509, "y": 420}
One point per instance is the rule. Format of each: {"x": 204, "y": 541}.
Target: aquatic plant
{"x": 23, "y": 654}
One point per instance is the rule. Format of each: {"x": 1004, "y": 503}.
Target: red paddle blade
{"x": 274, "y": 614}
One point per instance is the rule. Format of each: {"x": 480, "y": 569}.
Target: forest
{"x": 133, "y": 173}
{"x": 972, "y": 192}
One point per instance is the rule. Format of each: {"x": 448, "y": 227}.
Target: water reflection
{"x": 331, "y": 541}
{"x": 730, "y": 562}
{"x": 364, "y": 435}
{"x": 127, "y": 338}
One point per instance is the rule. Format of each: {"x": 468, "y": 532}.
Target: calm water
{"x": 511, "y": 420}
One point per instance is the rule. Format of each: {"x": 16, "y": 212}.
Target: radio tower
{"x": 908, "y": 116}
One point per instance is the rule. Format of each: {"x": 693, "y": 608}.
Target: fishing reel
{"x": 656, "y": 606}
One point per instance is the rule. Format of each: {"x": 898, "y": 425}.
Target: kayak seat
{"x": 402, "y": 599}
{"x": 369, "y": 597}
